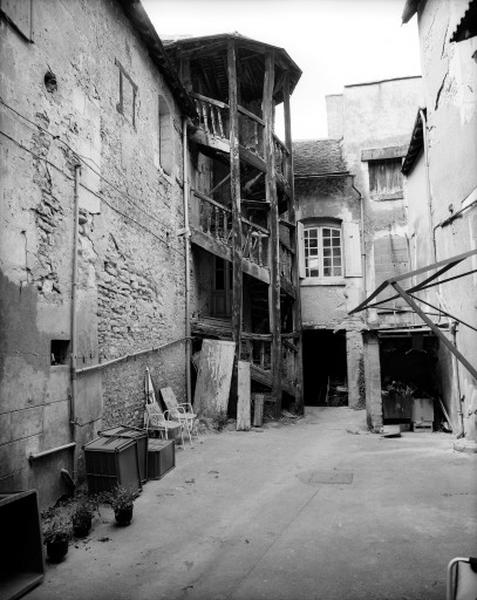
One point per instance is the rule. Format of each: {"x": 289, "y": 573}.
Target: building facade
{"x": 441, "y": 186}
{"x": 112, "y": 238}
{"x": 351, "y": 185}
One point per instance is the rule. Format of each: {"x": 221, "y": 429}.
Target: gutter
{"x": 74, "y": 292}
{"x": 186, "y": 196}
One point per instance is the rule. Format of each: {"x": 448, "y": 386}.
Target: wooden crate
{"x": 161, "y": 458}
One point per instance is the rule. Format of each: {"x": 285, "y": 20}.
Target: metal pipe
{"x": 186, "y": 196}
{"x": 107, "y": 363}
{"x": 460, "y": 399}
{"x": 422, "y": 114}
{"x": 38, "y": 455}
{"x": 74, "y": 286}
{"x": 361, "y": 227}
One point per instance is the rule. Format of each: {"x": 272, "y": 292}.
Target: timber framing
{"x": 241, "y": 207}
{"x": 408, "y": 295}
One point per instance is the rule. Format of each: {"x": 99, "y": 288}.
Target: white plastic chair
{"x": 462, "y": 579}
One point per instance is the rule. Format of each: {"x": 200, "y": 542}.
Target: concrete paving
{"x": 319, "y": 509}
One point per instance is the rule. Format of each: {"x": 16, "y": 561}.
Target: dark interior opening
{"x": 59, "y": 352}
{"x": 324, "y": 368}
{"x": 408, "y": 371}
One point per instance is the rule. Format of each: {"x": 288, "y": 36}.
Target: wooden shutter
{"x": 352, "y": 250}
{"x": 301, "y": 250}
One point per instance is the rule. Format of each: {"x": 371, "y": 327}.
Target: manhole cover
{"x": 324, "y": 477}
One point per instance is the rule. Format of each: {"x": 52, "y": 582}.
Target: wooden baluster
{"x": 215, "y": 222}
{"x": 213, "y": 111}
{"x": 209, "y": 220}
{"x": 221, "y": 125}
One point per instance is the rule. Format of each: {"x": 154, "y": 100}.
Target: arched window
{"x": 323, "y": 250}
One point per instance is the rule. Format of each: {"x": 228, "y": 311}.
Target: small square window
{"x": 59, "y": 352}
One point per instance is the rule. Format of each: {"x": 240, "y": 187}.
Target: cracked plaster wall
{"x": 450, "y": 83}
{"x": 380, "y": 115}
{"x": 130, "y": 269}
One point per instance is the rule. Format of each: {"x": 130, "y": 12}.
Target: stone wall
{"x": 65, "y": 110}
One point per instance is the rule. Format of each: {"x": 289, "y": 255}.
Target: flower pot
{"x": 124, "y": 515}
{"x": 56, "y": 550}
{"x": 82, "y": 525}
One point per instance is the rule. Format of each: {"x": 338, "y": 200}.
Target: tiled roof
{"x": 318, "y": 157}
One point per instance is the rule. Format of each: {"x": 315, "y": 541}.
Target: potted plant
{"x": 56, "y": 535}
{"x": 121, "y": 500}
{"x": 82, "y": 516}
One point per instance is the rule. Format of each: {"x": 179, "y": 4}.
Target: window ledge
{"x": 314, "y": 281}
{"x": 387, "y": 196}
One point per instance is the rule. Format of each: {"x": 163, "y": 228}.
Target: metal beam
{"x": 449, "y": 345}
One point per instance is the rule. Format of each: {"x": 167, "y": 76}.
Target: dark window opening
{"x": 324, "y": 368}
{"x": 59, "y": 352}
{"x": 222, "y": 290}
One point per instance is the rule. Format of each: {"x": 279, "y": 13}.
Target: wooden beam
{"x": 273, "y": 219}
{"x": 297, "y": 326}
{"x": 237, "y": 308}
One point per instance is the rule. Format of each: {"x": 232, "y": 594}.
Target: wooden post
{"x": 236, "y": 209}
{"x": 271, "y": 197}
{"x": 297, "y": 325}
{"x": 243, "y": 396}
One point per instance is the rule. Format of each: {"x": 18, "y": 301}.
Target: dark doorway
{"x": 324, "y": 368}
{"x": 408, "y": 371}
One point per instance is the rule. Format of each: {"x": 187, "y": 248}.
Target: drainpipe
{"x": 361, "y": 227}
{"x": 186, "y": 196}
{"x": 460, "y": 398}
{"x": 428, "y": 181}
{"x": 74, "y": 290}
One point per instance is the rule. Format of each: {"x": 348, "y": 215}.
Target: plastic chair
{"x": 181, "y": 412}
{"x": 462, "y": 579}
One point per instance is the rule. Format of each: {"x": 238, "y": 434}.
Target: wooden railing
{"x": 214, "y": 120}
{"x": 286, "y": 262}
{"x": 251, "y": 132}
{"x": 213, "y": 116}
{"x": 255, "y": 242}
{"x": 281, "y": 154}
{"x": 256, "y": 348}
{"x": 215, "y": 220}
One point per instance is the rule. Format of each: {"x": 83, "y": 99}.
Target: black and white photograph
{"x": 238, "y": 299}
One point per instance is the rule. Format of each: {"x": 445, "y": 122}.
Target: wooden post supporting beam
{"x": 297, "y": 325}
{"x": 274, "y": 254}
{"x": 236, "y": 209}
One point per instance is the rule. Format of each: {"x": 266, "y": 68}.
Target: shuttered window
{"x": 385, "y": 178}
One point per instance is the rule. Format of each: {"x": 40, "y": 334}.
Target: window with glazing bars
{"x": 323, "y": 251}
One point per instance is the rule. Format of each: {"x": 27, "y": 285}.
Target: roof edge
{"x": 409, "y": 10}
{"x": 416, "y": 143}
{"x": 381, "y": 81}
{"x": 139, "y": 19}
